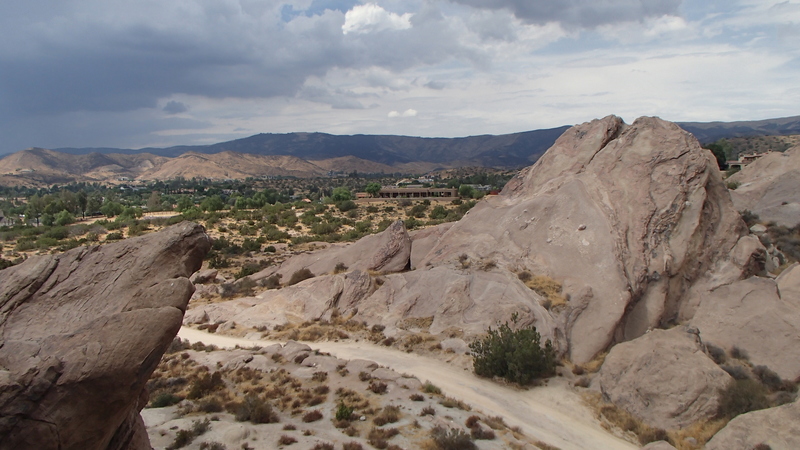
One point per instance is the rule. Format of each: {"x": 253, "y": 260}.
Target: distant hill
{"x": 316, "y": 154}
{"x": 509, "y": 150}
{"x": 711, "y": 131}
{"x": 41, "y": 167}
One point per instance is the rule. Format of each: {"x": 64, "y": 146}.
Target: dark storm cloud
{"x": 580, "y": 13}
{"x": 175, "y": 107}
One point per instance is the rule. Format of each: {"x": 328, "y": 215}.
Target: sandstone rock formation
{"x": 663, "y": 377}
{"x": 768, "y": 187}
{"x": 754, "y": 316}
{"x": 779, "y": 428}
{"x": 82, "y": 332}
{"x": 630, "y": 219}
{"x": 388, "y": 251}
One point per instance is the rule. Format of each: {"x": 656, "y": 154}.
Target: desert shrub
{"x": 205, "y": 384}
{"x": 319, "y": 376}
{"x": 272, "y": 282}
{"x": 430, "y": 388}
{"x": 472, "y": 421}
{"x": 364, "y": 376}
{"x": 769, "y": 378}
{"x": 164, "y": 399}
{"x": 340, "y": 268}
{"x": 185, "y": 437}
{"x": 285, "y": 439}
{"x": 312, "y": 416}
{"x": 516, "y": 355}
{"x": 450, "y": 402}
{"x": 300, "y": 275}
{"x": 739, "y": 353}
{"x": 254, "y": 409}
{"x": 716, "y": 353}
{"x": 212, "y": 446}
{"x": 452, "y": 439}
{"x": 208, "y": 405}
{"x": 737, "y": 372}
{"x": 732, "y": 185}
{"x": 352, "y": 446}
{"x": 428, "y": 411}
{"x": 741, "y": 396}
{"x": 289, "y": 427}
{"x": 649, "y": 435}
{"x": 343, "y": 412}
{"x": 477, "y": 432}
{"x": 495, "y": 422}
{"x": 416, "y": 397}
{"x": 114, "y": 236}
{"x": 389, "y": 414}
{"x": 323, "y": 446}
{"x": 377, "y": 436}
{"x": 378, "y": 387}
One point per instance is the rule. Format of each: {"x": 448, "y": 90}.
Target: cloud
{"x": 406, "y": 113}
{"x": 371, "y": 18}
{"x": 175, "y": 107}
{"x": 580, "y": 13}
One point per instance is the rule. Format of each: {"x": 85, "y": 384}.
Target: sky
{"x": 138, "y": 73}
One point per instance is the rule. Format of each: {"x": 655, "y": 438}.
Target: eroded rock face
{"x": 664, "y": 377}
{"x": 753, "y": 315}
{"x": 768, "y": 187}
{"x": 779, "y": 428}
{"x": 82, "y": 332}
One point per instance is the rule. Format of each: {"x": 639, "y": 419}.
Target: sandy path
{"x": 553, "y": 414}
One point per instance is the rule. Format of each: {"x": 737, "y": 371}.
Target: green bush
{"x": 516, "y": 355}
{"x": 165, "y": 399}
{"x": 343, "y": 412}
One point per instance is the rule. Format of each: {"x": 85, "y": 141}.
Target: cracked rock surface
{"x": 82, "y": 331}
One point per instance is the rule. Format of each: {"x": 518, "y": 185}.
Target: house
{"x": 745, "y": 160}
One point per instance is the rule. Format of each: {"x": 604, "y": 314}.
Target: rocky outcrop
{"x": 753, "y": 315}
{"x": 663, "y": 377}
{"x": 630, "y": 219}
{"x": 768, "y": 187}
{"x": 779, "y": 428}
{"x": 633, "y": 220}
{"x": 82, "y": 332}
{"x": 388, "y": 251}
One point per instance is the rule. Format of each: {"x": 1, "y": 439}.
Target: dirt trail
{"x": 553, "y": 414}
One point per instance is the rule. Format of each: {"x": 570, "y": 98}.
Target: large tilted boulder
{"x": 779, "y": 428}
{"x": 753, "y": 315}
{"x": 663, "y": 377}
{"x": 82, "y": 332}
{"x": 768, "y": 187}
{"x": 629, "y": 218}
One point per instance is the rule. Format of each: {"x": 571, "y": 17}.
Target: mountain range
{"x": 318, "y": 154}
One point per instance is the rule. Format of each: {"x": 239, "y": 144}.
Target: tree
{"x": 722, "y": 150}
{"x": 35, "y": 208}
{"x": 466, "y": 191}
{"x": 154, "y": 202}
{"x": 111, "y": 209}
{"x": 516, "y": 355}
{"x": 213, "y": 203}
{"x": 341, "y": 194}
{"x": 83, "y": 202}
{"x": 372, "y": 189}
{"x": 185, "y": 202}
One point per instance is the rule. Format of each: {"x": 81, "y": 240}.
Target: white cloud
{"x": 371, "y": 18}
{"x": 407, "y": 113}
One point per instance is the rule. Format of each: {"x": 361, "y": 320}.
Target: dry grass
{"x": 594, "y": 365}
{"x": 548, "y": 288}
{"x": 612, "y": 416}
{"x": 701, "y": 431}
